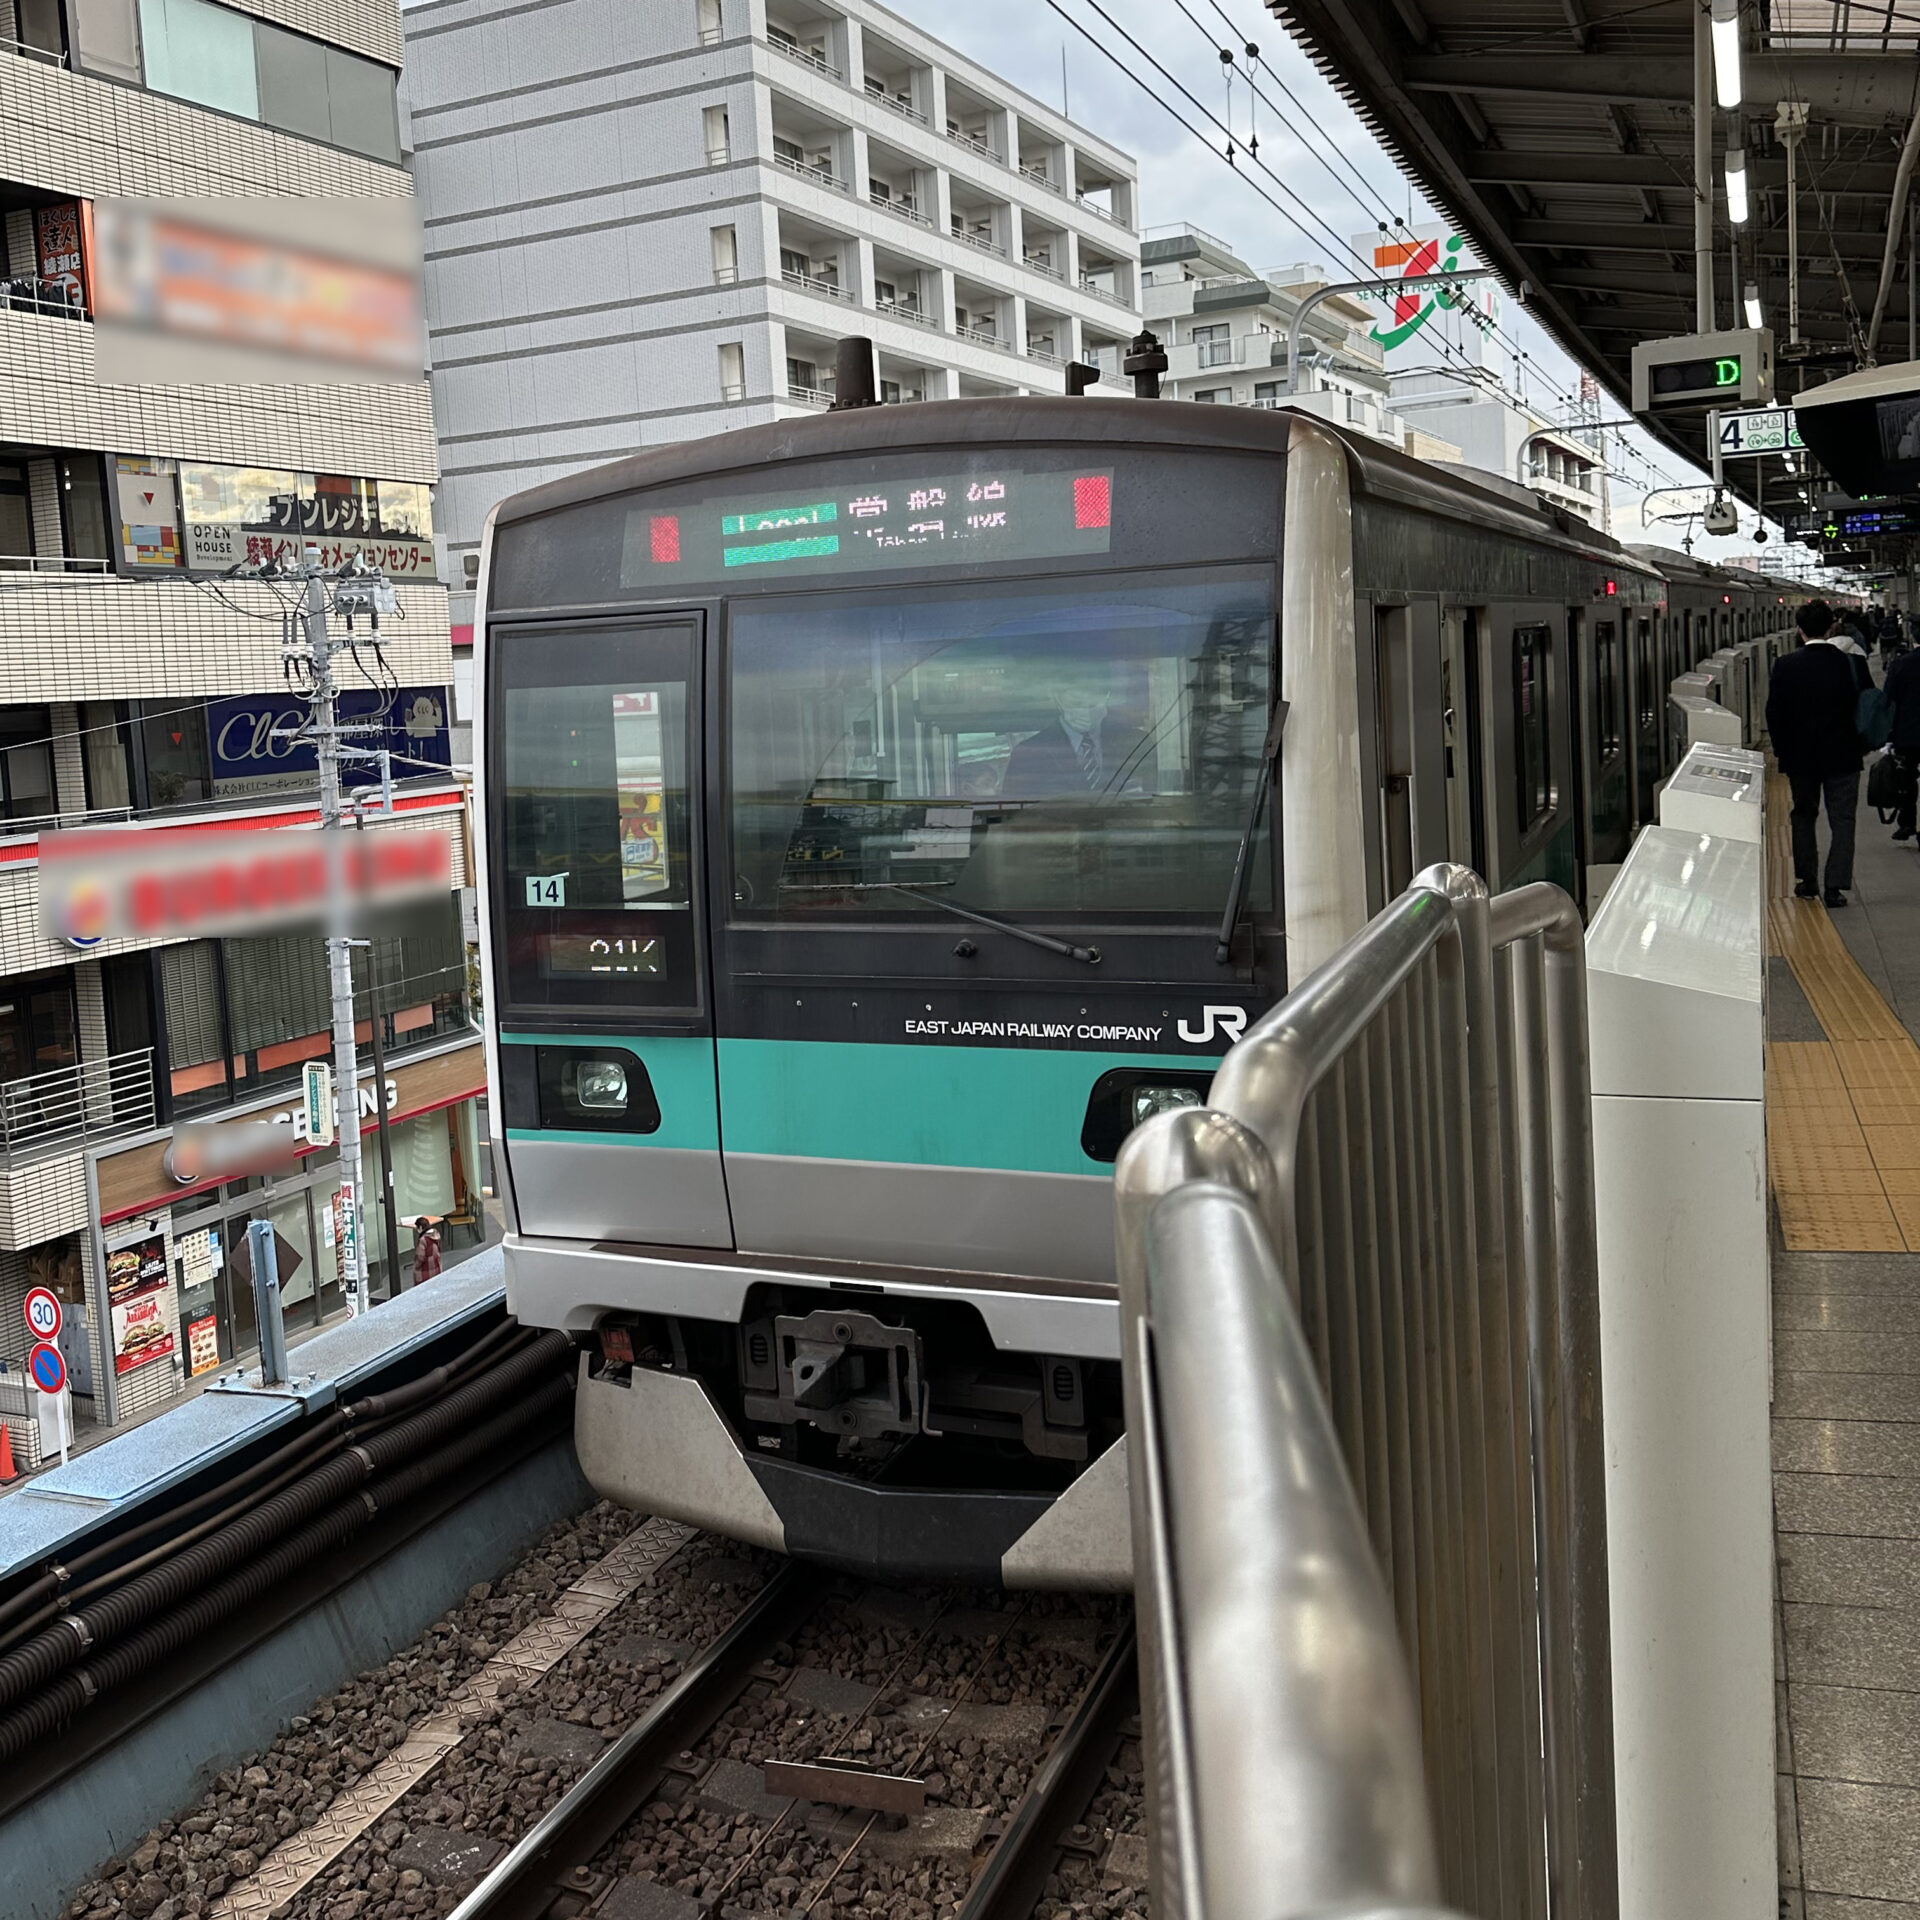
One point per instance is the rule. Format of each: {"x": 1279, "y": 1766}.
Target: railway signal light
{"x": 1730, "y": 369}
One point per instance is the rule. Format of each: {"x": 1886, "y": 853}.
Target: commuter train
{"x": 883, "y": 811}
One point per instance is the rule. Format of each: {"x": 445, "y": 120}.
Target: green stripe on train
{"x": 681, "y": 1069}
{"x": 1014, "y": 1109}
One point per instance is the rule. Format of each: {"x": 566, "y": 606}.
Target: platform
{"x": 1843, "y": 1121}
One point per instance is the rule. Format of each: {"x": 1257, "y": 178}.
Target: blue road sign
{"x": 49, "y": 1370}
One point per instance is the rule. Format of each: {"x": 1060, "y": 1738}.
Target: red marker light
{"x": 1612, "y": 589}
{"x": 663, "y": 533}
{"x": 1092, "y": 500}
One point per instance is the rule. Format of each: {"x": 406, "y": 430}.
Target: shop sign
{"x": 203, "y": 1346}
{"x": 252, "y": 753}
{"x": 137, "y": 1270}
{"x": 296, "y": 1117}
{"x": 110, "y": 882}
{"x": 149, "y": 502}
{"x": 59, "y": 239}
{"x": 141, "y": 1332}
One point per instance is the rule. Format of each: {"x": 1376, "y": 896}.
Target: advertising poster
{"x": 137, "y": 1269}
{"x": 62, "y": 251}
{"x": 203, "y": 1346}
{"x": 141, "y": 1332}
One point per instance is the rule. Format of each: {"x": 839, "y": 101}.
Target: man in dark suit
{"x": 1080, "y": 752}
{"x": 1903, "y": 689}
{"x": 1810, "y": 708}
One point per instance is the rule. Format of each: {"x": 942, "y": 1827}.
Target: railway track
{"x": 683, "y": 1730}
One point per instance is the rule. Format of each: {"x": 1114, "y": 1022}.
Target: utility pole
{"x": 346, "y": 1056}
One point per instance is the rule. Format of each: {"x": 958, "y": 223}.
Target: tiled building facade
{"x": 138, "y": 687}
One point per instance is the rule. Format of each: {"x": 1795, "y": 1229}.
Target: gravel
{"x": 964, "y": 1691}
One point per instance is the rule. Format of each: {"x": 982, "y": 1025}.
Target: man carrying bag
{"x": 1903, "y": 694}
{"x": 1812, "y": 697}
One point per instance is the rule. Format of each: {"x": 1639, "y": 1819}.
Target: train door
{"x": 606, "y": 1041}
{"x": 1648, "y": 698}
{"x": 1609, "y": 792}
{"x": 1460, "y": 737}
{"x": 1579, "y": 796}
{"x": 1393, "y": 670}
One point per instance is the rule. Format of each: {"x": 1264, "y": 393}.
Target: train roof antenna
{"x": 1146, "y": 361}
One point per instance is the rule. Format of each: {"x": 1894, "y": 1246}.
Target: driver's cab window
{"x": 1083, "y": 749}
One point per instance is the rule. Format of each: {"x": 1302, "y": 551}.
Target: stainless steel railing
{"x": 81, "y": 1102}
{"x": 1360, "y": 1341}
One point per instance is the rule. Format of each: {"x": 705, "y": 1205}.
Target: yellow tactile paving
{"x": 1843, "y": 1114}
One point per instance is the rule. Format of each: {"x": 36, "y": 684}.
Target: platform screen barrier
{"x": 1360, "y": 1338}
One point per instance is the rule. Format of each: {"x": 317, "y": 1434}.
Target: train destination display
{"x": 988, "y": 518}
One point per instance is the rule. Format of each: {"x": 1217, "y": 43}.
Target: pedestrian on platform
{"x": 1811, "y": 699}
{"x": 426, "y": 1248}
{"x": 1903, "y": 689}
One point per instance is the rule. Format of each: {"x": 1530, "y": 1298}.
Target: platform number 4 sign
{"x": 546, "y": 889}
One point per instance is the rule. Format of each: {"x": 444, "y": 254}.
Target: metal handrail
{"x": 901, "y": 209}
{"x": 53, "y": 563}
{"x": 806, "y": 58}
{"x": 1360, "y": 1347}
{"x": 35, "y": 293}
{"x": 820, "y": 176}
{"x": 80, "y": 1102}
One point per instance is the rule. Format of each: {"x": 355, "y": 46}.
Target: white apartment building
{"x": 1499, "y": 432}
{"x": 649, "y": 239}
{"x": 134, "y": 689}
{"x": 1225, "y": 328}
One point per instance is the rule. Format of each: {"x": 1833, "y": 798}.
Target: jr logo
{"x": 1231, "y": 1021}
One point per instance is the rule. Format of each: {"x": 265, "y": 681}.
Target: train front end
{"x": 862, "y": 801}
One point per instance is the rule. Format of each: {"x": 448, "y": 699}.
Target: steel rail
{"x": 1015, "y": 1876}
{"x": 613, "y": 1789}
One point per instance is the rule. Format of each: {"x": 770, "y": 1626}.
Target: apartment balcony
{"x": 980, "y": 240}
{"x": 974, "y": 145}
{"x": 900, "y": 310}
{"x": 900, "y": 209}
{"x": 68, "y": 1105}
{"x": 1038, "y": 263}
{"x": 982, "y": 337}
{"x": 1037, "y": 351}
{"x": 52, "y": 563}
{"x": 803, "y": 56}
{"x": 812, "y": 283}
{"x": 1103, "y": 293}
{"x": 809, "y": 396}
{"x": 1040, "y": 178}
{"x": 1218, "y": 353}
{"x": 1100, "y": 213}
{"x": 819, "y": 176}
{"x": 29, "y": 293}
{"x": 881, "y": 98}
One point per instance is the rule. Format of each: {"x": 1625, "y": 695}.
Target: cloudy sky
{"x": 1318, "y": 154}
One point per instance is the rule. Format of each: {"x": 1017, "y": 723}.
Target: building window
{"x": 106, "y": 752}
{"x": 236, "y": 64}
{"x": 719, "y": 139}
{"x": 196, "y": 1040}
{"x": 173, "y": 751}
{"x": 733, "y": 371}
{"x": 16, "y": 517}
{"x": 84, "y": 518}
{"x": 707, "y": 20}
{"x": 726, "y": 256}
{"x": 1214, "y": 345}
{"x": 1266, "y": 393}
{"x": 26, "y": 763}
{"x": 1532, "y": 723}
{"x": 1215, "y": 397}
{"x": 37, "y": 1027}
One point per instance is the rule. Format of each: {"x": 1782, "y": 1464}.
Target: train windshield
{"x": 1083, "y": 747}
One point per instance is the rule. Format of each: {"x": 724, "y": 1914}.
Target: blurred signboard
{"x": 118, "y": 883}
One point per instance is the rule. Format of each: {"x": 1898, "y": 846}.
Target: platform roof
{"x": 1559, "y": 135}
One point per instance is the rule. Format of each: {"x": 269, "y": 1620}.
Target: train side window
{"x": 1606, "y": 689}
{"x": 1532, "y": 730}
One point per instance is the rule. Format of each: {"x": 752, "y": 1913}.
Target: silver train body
{"x": 792, "y": 742}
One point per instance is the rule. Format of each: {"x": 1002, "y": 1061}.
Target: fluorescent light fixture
{"x": 1753, "y": 306}
{"x": 1737, "y": 186}
{"x": 1726, "y": 52}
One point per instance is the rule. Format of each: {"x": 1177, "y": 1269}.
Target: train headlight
{"x": 1149, "y": 1100}
{"x": 601, "y": 1086}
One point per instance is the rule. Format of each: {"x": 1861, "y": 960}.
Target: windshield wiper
{"x": 1087, "y": 956}
{"x": 1237, "y": 892}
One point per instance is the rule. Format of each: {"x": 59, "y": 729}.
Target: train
{"x": 881, "y": 812}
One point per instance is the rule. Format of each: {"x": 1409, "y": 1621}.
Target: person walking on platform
{"x": 1903, "y": 689}
{"x": 1811, "y": 697}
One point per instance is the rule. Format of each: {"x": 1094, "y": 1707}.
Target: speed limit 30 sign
{"x": 43, "y": 1313}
